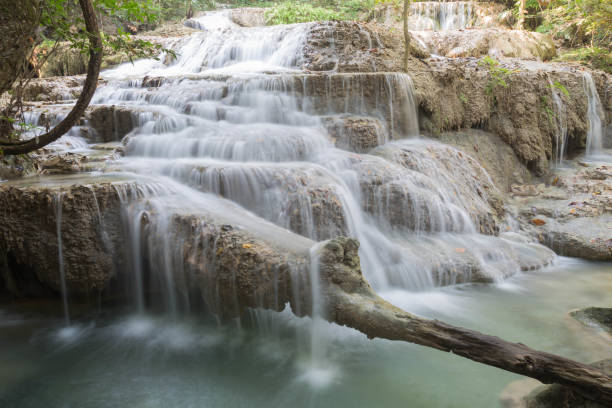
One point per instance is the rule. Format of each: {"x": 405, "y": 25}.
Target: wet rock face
{"x": 435, "y": 188}
{"x": 110, "y": 123}
{"x": 354, "y": 133}
{"x": 29, "y": 239}
{"x": 600, "y": 316}
{"x": 459, "y": 94}
{"x": 492, "y": 153}
{"x": 231, "y": 268}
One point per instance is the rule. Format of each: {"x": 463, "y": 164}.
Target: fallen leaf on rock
{"x": 247, "y": 246}
{"x": 538, "y": 221}
{"x": 460, "y": 250}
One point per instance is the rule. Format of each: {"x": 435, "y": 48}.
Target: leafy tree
{"x": 57, "y": 20}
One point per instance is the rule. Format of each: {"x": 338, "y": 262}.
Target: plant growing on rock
{"x": 497, "y": 73}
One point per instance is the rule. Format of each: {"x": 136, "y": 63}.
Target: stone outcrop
{"x": 460, "y": 93}
{"x": 249, "y": 16}
{"x": 110, "y": 123}
{"x": 53, "y": 89}
{"x": 29, "y": 238}
{"x": 355, "y": 47}
{"x": 355, "y": 133}
{"x": 573, "y": 214}
{"x": 492, "y": 153}
{"x": 601, "y": 317}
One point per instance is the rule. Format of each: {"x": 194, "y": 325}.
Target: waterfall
{"x": 452, "y": 15}
{"x": 57, "y": 203}
{"x": 595, "y": 116}
{"x": 244, "y": 133}
{"x": 560, "y": 122}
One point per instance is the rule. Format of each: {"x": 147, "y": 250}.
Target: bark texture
{"x": 18, "y": 24}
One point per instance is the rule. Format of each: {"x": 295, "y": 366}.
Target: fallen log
{"x": 353, "y": 303}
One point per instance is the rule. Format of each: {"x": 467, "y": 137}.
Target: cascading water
{"x": 57, "y": 203}
{"x": 560, "y": 121}
{"x": 210, "y": 121}
{"x": 228, "y": 139}
{"x": 241, "y": 131}
{"x": 452, "y": 15}
{"x": 595, "y": 116}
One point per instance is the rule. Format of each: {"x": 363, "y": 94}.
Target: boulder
{"x": 355, "y": 133}
{"x": 110, "y": 123}
{"x": 601, "y": 317}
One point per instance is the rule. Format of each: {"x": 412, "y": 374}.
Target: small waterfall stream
{"x": 560, "y": 121}
{"x": 595, "y": 115}
{"x": 443, "y": 15}
{"x": 57, "y": 203}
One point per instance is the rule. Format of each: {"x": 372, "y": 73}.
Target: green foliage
{"x": 497, "y": 73}
{"x": 299, "y": 12}
{"x": 596, "y": 57}
{"x": 545, "y": 105}
{"x": 62, "y": 21}
{"x": 558, "y": 85}
{"x": 463, "y": 98}
{"x": 351, "y": 9}
{"x": 579, "y": 22}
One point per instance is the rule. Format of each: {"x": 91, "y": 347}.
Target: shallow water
{"x": 154, "y": 361}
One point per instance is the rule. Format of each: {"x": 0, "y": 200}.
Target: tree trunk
{"x": 19, "y": 22}
{"x": 521, "y": 20}
{"x": 406, "y": 35}
{"x": 89, "y": 88}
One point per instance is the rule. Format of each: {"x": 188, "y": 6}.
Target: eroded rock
{"x": 600, "y": 317}
{"x": 111, "y": 123}
{"x": 354, "y": 133}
